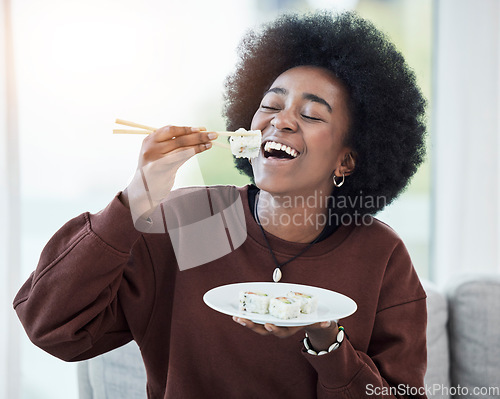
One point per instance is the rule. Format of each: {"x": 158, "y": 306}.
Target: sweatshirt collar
{"x": 288, "y": 248}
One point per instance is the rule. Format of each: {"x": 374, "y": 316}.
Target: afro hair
{"x": 387, "y": 132}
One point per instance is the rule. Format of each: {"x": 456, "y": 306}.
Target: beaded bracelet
{"x": 335, "y": 345}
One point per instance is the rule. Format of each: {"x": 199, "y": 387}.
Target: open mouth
{"x": 273, "y": 149}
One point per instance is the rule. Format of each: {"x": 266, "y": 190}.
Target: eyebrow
{"x": 277, "y": 90}
{"x": 305, "y": 96}
{"x": 316, "y": 99}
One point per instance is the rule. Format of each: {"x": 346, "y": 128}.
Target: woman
{"x": 342, "y": 124}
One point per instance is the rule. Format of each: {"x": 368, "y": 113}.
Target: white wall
{"x": 466, "y": 144}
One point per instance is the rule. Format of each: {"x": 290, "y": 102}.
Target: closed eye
{"x": 267, "y": 107}
{"x": 311, "y": 118}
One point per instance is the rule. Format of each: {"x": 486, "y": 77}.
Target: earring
{"x": 335, "y": 181}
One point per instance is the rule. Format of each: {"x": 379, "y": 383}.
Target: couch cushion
{"x": 438, "y": 366}
{"x": 474, "y": 313}
{"x": 119, "y": 374}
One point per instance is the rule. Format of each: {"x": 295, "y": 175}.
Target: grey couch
{"x": 463, "y": 334}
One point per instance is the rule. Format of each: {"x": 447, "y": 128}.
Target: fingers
{"x": 166, "y": 133}
{"x": 171, "y": 139}
{"x": 258, "y": 328}
{"x": 268, "y": 328}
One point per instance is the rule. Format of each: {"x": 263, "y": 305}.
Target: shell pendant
{"x": 277, "y": 275}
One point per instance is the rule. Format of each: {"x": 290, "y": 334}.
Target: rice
{"x": 254, "y": 302}
{"x": 246, "y": 146}
{"x": 308, "y": 303}
{"x": 284, "y": 307}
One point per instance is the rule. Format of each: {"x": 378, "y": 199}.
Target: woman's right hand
{"x": 171, "y": 139}
{"x": 162, "y": 153}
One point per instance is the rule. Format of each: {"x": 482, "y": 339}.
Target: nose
{"x": 284, "y": 121}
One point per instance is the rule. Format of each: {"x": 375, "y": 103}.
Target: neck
{"x": 295, "y": 218}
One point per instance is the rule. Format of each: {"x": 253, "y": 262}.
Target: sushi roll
{"x": 283, "y": 307}
{"x": 247, "y": 146}
{"x": 308, "y": 303}
{"x": 254, "y": 302}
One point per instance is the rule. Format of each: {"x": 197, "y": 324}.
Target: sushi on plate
{"x": 254, "y": 302}
{"x": 284, "y": 307}
{"x": 308, "y": 303}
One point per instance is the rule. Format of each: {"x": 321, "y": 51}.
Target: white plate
{"x": 331, "y": 305}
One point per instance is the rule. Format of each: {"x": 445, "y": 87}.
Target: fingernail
{"x": 212, "y": 136}
{"x": 237, "y": 320}
{"x": 268, "y": 328}
{"x": 208, "y": 145}
{"x": 326, "y": 324}
{"x": 195, "y": 129}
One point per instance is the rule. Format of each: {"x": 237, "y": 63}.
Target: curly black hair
{"x": 387, "y": 131}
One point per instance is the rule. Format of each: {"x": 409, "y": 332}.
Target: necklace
{"x": 277, "y": 274}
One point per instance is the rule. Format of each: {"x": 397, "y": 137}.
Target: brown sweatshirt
{"x": 101, "y": 283}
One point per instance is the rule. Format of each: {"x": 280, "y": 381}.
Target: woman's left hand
{"x": 321, "y": 335}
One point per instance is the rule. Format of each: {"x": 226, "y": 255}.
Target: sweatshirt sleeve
{"x": 395, "y": 363}
{"x": 71, "y": 305}
{"x": 395, "y": 368}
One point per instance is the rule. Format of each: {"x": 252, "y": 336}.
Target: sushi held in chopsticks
{"x": 246, "y": 145}
{"x": 243, "y": 143}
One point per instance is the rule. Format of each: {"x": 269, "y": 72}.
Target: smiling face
{"x": 304, "y": 119}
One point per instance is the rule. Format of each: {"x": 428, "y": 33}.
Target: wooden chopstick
{"x": 247, "y": 133}
{"x": 148, "y": 131}
{"x": 131, "y": 131}
{"x": 134, "y": 131}
{"x": 133, "y": 124}
{"x": 221, "y": 145}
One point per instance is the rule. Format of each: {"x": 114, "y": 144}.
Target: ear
{"x": 348, "y": 163}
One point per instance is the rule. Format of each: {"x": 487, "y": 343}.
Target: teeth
{"x": 272, "y": 145}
